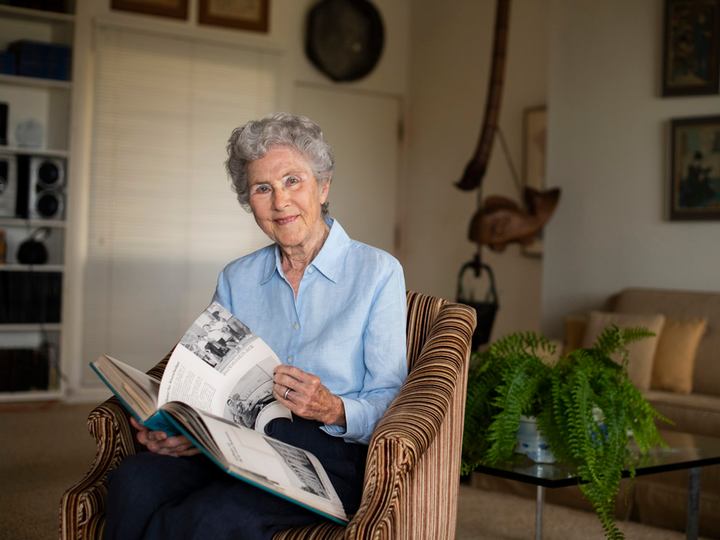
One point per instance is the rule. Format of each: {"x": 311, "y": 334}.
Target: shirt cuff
{"x": 354, "y": 429}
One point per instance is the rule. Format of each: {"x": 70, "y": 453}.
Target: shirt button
{"x": 295, "y": 326}
{"x": 310, "y": 270}
{"x": 289, "y": 360}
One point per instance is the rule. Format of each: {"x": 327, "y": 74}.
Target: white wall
{"x": 451, "y": 46}
{"x": 608, "y": 151}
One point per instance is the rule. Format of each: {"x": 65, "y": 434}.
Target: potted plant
{"x": 584, "y": 404}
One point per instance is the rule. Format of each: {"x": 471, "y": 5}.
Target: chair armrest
{"x": 413, "y": 420}
{"x": 109, "y": 425}
{"x": 84, "y": 503}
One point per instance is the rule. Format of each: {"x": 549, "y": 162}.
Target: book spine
{"x": 157, "y": 422}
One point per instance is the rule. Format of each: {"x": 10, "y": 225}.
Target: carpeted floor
{"x": 44, "y": 449}
{"x": 500, "y": 516}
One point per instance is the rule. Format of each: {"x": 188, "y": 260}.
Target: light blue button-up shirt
{"x": 346, "y": 325}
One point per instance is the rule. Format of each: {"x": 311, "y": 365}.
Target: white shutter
{"x": 163, "y": 221}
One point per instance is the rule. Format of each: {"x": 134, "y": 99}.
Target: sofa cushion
{"x": 641, "y": 353}
{"x": 692, "y": 413}
{"x": 682, "y": 304}
{"x": 675, "y": 355}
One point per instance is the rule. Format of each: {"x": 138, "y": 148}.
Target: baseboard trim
{"x": 87, "y": 395}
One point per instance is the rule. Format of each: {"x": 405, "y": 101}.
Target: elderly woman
{"x": 333, "y": 310}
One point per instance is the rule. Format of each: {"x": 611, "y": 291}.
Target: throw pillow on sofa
{"x": 641, "y": 353}
{"x": 675, "y": 356}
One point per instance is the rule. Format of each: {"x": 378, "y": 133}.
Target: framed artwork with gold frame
{"x": 176, "y": 9}
{"x": 241, "y": 14}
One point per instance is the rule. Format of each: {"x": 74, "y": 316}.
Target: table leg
{"x": 693, "y": 510}
{"x": 539, "y": 508}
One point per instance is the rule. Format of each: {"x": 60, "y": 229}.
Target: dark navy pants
{"x": 153, "y": 496}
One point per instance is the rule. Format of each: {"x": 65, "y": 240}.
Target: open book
{"x": 217, "y": 391}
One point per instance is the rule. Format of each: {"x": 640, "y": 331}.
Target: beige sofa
{"x": 661, "y": 499}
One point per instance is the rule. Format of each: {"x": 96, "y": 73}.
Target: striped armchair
{"x": 413, "y": 464}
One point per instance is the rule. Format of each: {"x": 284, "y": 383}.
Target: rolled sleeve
{"x": 385, "y": 358}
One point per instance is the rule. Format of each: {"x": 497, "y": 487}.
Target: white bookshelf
{"x": 47, "y": 101}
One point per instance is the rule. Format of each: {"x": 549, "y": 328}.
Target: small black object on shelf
{"x": 3, "y": 123}
{"x": 32, "y": 250}
{"x": 41, "y": 59}
{"x": 59, "y": 6}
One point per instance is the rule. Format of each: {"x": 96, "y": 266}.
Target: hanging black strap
{"x": 491, "y": 296}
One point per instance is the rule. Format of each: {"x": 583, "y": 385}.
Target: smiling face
{"x": 286, "y": 200}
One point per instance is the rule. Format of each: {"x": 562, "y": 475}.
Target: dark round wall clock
{"x": 344, "y": 38}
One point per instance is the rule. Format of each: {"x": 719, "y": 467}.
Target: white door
{"x": 362, "y": 129}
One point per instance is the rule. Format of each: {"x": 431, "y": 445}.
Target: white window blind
{"x": 162, "y": 220}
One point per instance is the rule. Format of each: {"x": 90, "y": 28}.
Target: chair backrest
{"x": 422, "y": 311}
{"x": 412, "y": 480}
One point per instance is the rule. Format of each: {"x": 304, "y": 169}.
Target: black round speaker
{"x": 344, "y": 38}
{"x": 48, "y": 204}
{"x": 48, "y": 173}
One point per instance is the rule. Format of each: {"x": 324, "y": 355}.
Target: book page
{"x": 220, "y": 366}
{"x": 285, "y": 469}
{"x": 137, "y": 389}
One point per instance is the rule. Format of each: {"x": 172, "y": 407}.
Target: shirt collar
{"x": 330, "y": 259}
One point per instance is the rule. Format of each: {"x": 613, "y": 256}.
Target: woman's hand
{"x": 159, "y": 442}
{"x": 307, "y": 396}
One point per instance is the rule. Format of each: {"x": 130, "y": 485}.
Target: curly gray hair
{"x": 253, "y": 140}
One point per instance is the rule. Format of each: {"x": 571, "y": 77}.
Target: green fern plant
{"x": 513, "y": 379}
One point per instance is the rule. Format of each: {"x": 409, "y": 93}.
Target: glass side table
{"x": 685, "y": 451}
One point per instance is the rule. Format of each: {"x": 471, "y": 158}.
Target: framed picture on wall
{"x": 241, "y": 14}
{"x": 534, "y": 152}
{"x": 691, "y": 50}
{"x": 177, "y": 9}
{"x": 695, "y": 168}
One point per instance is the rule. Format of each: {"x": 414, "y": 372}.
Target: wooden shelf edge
{"x": 32, "y": 223}
{"x": 34, "y": 151}
{"x": 35, "y": 81}
{"x": 30, "y": 395}
{"x": 36, "y": 14}
{"x": 33, "y": 268}
{"x": 31, "y": 327}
